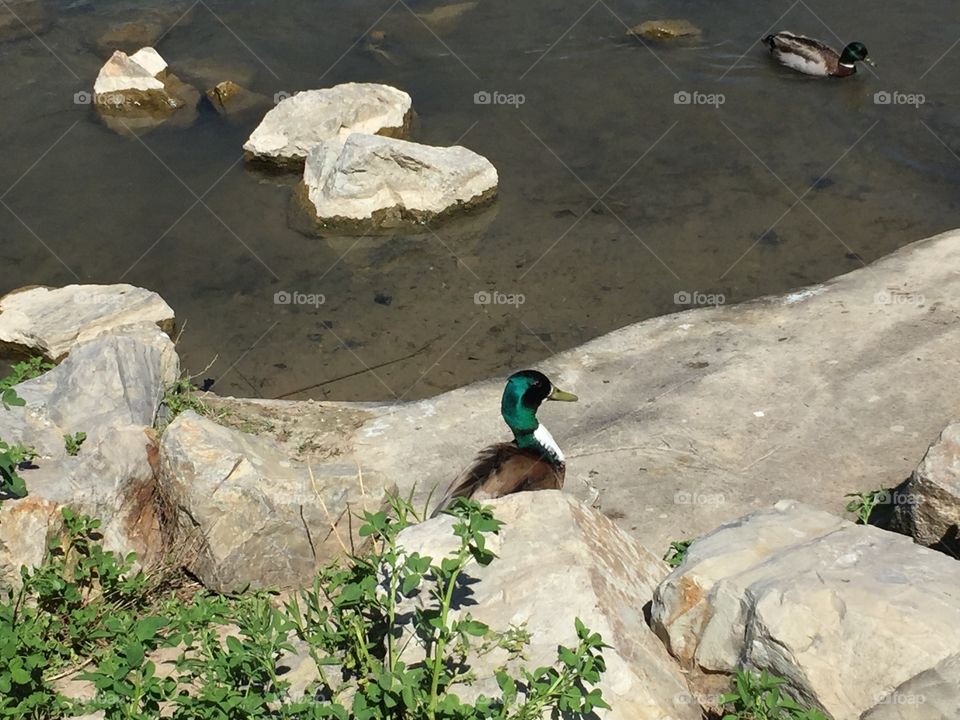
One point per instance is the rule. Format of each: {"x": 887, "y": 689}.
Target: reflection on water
{"x": 614, "y": 198}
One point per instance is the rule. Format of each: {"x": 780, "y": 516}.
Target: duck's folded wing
{"x": 500, "y": 470}
{"x": 802, "y": 45}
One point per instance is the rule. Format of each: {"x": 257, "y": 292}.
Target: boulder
{"x": 251, "y": 515}
{"x": 558, "y": 560}
{"x": 665, "y": 29}
{"x": 110, "y": 388}
{"x": 137, "y": 92}
{"x": 933, "y": 694}
{"x": 301, "y": 122}
{"x": 807, "y": 596}
{"x": 51, "y": 321}
{"x": 930, "y": 511}
{"x": 371, "y": 182}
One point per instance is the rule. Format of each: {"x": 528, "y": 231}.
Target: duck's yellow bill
{"x": 559, "y": 394}
{"x": 869, "y": 62}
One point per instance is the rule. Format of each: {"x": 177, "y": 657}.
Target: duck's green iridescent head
{"x": 522, "y": 396}
{"x": 853, "y": 53}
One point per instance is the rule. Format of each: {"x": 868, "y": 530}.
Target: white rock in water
{"x": 299, "y": 123}
{"x": 846, "y": 613}
{"x": 150, "y": 60}
{"x": 123, "y": 73}
{"x": 393, "y": 182}
{"x": 51, "y": 321}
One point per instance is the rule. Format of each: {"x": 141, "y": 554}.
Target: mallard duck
{"x": 813, "y": 57}
{"x": 533, "y": 461}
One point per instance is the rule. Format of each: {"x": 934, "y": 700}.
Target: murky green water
{"x": 692, "y": 197}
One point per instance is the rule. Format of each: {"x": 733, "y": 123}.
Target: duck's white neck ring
{"x": 546, "y": 441}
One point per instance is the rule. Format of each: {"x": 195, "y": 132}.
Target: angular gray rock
{"x": 50, "y": 321}
{"x": 249, "y": 514}
{"x": 110, "y": 388}
{"x": 933, "y": 694}
{"x": 930, "y": 511}
{"x": 373, "y": 182}
{"x": 808, "y": 596}
{"x": 135, "y": 93}
{"x": 557, "y": 560}
{"x": 300, "y": 122}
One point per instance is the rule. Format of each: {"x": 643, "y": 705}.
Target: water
{"x": 695, "y": 198}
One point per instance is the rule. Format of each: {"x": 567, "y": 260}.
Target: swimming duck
{"x": 533, "y": 461}
{"x": 813, "y": 57}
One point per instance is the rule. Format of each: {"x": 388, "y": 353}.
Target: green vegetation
{"x": 180, "y": 397}
{"x": 677, "y": 552}
{"x": 21, "y": 372}
{"x": 759, "y": 697}
{"x": 85, "y": 609}
{"x": 11, "y": 457}
{"x": 73, "y": 442}
{"x": 864, "y": 503}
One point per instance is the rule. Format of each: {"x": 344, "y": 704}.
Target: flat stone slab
{"x": 690, "y": 420}
{"x": 299, "y": 123}
{"x": 51, "y": 321}
{"x": 370, "y": 182}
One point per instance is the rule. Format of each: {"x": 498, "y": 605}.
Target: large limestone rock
{"x": 933, "y": 694}
{"x": 250, "y": 514}
{"x": 690, "y": 420}
{"x": 301, "y": 122}
{"x": 930, "y": 507}
{"x": 373, "y": 182}
{"x": 51, "y": 321}
{"x": 558, "y": 560}
{"x": 809, "y": 596}
{"x": 110, "y": 388}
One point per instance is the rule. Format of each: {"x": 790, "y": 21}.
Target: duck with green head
{"x": 813, "y": 57}
{"x": 533, "y": 461}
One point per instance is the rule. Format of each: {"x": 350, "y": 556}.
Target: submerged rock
{"x": 807, "y": 596}
{"x": 665, "y": 29}
{"x": 231, "y": 100}
{"x": 558, "y": 560}
{"x": 928, "y": 503}
{"x": 300, "y": 123}
{"x": 445, "y": 18}
{"x": 371, "y": 182}
{"x": 51, "y": 321}
{"x": 252, "y": 516}
{"x": 21, "y": 19}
